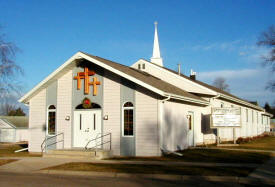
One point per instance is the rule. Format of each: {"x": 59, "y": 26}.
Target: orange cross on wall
{"x": 94, "y": 83}
{"x": 85, "y": 75}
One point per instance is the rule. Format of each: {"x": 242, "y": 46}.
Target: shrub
{"x": 249, "y": 139}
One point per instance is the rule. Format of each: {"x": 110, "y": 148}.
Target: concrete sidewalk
{"x": 223, "y": 179}
{"x": 263, "y": 175}
{"x": 266, "y": 171}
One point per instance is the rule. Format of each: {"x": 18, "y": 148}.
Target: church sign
{"x": 226, "y": 117}
{"x": 86, "y": 76}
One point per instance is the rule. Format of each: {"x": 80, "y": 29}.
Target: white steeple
{"x": 156, "y": 52}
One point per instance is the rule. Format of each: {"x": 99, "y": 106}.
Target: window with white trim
{"x": 128, "y": 119}
{"x": 51, "y": 120}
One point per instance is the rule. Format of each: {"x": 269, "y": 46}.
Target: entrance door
{"x": 87, "y": 126}
{"x": 127, "y": 141}
{"x": 191, "y": 129}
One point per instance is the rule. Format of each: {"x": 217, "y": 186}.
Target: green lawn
{"x": 208, "y": 155}
{"x": 7, "y": 150}
{"x": 154, "y": 169}
{"x": 6, "y": 161}
{"x": 265, "y": 143}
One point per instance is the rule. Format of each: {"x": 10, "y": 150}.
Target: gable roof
{"x": 149, "y": 79}
{"x": 141, "y": 78}
{"x": 221, "y": 93}
{"x": 16, "y": 121}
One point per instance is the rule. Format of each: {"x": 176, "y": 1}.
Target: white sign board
{"x": 226, "y": 117}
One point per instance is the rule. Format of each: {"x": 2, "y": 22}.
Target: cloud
{"x": 248, "y": 84}
{"x": 228, "y": 74}
{"x": 252, "y": 53}
{"x": 225, "y": 46}
{"x": 247, "y": 51}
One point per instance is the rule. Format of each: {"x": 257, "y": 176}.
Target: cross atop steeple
{"x": 156, "y": 58}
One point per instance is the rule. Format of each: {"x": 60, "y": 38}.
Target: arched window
{"x": 128, "y": 119}
{"x": 51, "y": 120}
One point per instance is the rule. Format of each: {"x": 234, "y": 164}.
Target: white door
{"x": 87, "y": 126}
{"x": 190, "y": 129}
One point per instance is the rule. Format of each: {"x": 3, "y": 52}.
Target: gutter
{"x": 217, "y": 96}
{"x": 166, "y": 99}
{"x": 242, "y": 102}
{"x": 187, "y": 99}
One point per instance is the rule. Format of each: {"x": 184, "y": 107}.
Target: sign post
{"x": 226, "y": 117}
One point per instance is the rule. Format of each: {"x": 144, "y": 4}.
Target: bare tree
{"x": 267, "y": 39}
{"x": 6, "y": 108}
{"x": 8, "y": 68}
{"x": 220, "y": 83}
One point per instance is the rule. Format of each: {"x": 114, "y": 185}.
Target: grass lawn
{"x": 7, "y": 150}
{"x": 265, "y": 143}
{"x": 208, "y": 155}
{"x": 155, "y": 169}
{"x": 6, "y": 161}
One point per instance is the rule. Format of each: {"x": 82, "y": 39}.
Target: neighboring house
{"x": 145, "y": 107}
{"x": 14, "y": 128}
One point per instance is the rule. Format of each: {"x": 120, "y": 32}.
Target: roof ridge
{"x": 149, "y": 75}
{"x": 205, "y": 84}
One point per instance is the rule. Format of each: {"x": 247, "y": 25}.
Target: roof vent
{"x": 179, "y": 69}
{"x": 193, "y": 74}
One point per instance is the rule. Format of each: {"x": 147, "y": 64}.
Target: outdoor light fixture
{"x": 67, "y": 118}
{"x": 105, "y": 117}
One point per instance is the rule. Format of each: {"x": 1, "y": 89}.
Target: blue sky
{"x": 214, "y": 38}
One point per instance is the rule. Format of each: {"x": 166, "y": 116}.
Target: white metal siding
{"x": 64, "y": 108}
{"x": 111, "y": 107}
{"x": 175, "y": 125}
{"x": 37, "y": 120}
{"x": 172, "y": 78}
{"x": 247, "y": 129}
{"x": 22, "y": 135}
{"x": 147, "y": 140}
{"x": 7, "y": 135}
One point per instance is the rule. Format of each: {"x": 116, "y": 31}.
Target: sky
{"x": 214, "y": 38}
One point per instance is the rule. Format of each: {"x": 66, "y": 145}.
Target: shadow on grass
{"x": 208, "y": 155}
{"x": 155, "y": 169}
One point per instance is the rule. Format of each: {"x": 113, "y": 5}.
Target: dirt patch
{"x": 6, "y": 161}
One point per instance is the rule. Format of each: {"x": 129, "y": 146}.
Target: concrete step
{"x": 78, "y": 153}
{"x": 68, "y": 156}
{"x": 72, "y": 152}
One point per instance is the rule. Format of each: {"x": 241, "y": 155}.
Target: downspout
{"x": 217, "y": 137}
{"x": 217, "y": 96}
{"x": 160, "y": 120}
{"x": 166, "y": 99}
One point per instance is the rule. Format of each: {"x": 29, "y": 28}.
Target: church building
{"x": 141, "y": 110}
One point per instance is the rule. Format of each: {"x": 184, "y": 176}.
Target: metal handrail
{"x": 99, "y": 134}
{"x": 100, "y": 144}
{"x": 47, "y": 138}
{"x": 110, "y": 141}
